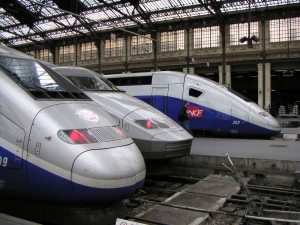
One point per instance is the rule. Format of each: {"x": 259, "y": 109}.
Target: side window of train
{"x": 125, "y": 81}
{"x": 195, "y": 93}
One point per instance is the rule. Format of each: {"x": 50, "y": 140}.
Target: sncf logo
{"x": 195, "y": 112}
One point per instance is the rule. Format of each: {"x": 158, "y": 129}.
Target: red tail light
{"x": 79, "y": 137}
{"x": 149, "y": 124}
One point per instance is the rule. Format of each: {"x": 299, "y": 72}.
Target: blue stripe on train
{"x": 211, "y": 120}
{"x": 46, "y": 186}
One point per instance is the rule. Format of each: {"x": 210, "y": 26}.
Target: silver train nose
{"x": 273, "y": 123}
{"x": 166, "y": 145}
{"x": 108, "y": 175}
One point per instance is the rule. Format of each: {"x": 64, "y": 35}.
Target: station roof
{"x": 30, "y": 21}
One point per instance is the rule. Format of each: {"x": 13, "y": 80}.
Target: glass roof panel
{"x": 128, "y": 10}
{"x": 7, "y": 35}
{"x": 64, "y": 33}
{"x": 40, "y": 9}
{"x": 21, "y": 41}
{"x": 67, "y": 20}
{"x": 96, "y": 15}
{"x": 7, "y": 20}
{"x": 47, "y": 26}
{"x": 91, "y": 3}
{"x": 117, "y": 13}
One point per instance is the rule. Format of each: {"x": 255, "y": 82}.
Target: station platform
{"x": 279, "y": 156}
{"x": 291, "y": 122}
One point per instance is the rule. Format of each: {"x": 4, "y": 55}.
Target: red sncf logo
{"x": 195, "y": 112}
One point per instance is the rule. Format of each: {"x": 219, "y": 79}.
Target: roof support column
{"x": 154, "y": 43}
{"x": 222, "y": 27}
{"x": 264, "y": 86}
{"x": 98, "y": 45}
{"x": 187, "y": 37}
{"x": 190, "y": 70}
{"x": 227, "y": 80}
{"x": 126, "y": 65}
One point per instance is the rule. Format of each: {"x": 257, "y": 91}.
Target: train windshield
{"x": 30, "y": 74}
{"x": 92, "y": 83}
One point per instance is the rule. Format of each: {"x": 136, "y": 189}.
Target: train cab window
{"x": 30, "y": 74}
{"x": 195, "y": 93}
{"x": 92, "y": 83}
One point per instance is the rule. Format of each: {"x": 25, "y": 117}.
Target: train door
{"x": 194, "y": 94}
{"x": 159, "y": 98}
{"x": 175, "y": 101}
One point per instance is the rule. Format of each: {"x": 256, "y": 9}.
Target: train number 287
{"x": 3, "y": 161}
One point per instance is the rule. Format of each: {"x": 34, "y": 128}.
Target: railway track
{"x": 276, "y": 204}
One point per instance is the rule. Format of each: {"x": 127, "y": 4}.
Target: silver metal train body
{"x": 56, "y": 144}
{"x": 213, "y": 107}
{"x": 156, "y": 135}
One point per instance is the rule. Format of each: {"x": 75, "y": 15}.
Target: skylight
{"x": 102, "y": 15}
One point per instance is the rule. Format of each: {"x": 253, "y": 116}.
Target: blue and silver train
{"x": 157, "y": 136}
{"x": 58, "y": 146}
{"x": 213, "y": 107}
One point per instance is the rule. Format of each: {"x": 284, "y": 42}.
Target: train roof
{"x": 76, "y": 71}
{"x": 158, "y": 78}
{"x": 10, "y": 52}
{"x": 162, "y": 77}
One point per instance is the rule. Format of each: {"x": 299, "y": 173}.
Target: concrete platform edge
{"x": 199, "y": 165}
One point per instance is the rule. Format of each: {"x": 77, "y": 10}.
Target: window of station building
{"x": 285, "y": 29}
{"x": 240, "y": 30}
{"x": 88, "y": 51}
{"x": 46, "y": 55}
{"x": 206, "y": 37}
{"x": 114, "y": 47}
{"x": 141, "y": 44}
{"x": 66, "y": 53}
{"x": 172, "y": 41}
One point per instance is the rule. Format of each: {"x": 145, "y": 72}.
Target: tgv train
{"x": 212, "y": 108}
{"x": 56, "y": 144}
{"x": 156, "y": 135}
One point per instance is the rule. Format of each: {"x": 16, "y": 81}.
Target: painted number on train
{"x": 3, "y": 161}
{"x": 236, "y": 122}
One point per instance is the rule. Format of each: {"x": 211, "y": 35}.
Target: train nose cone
{"x": 101, "y": 176}
{"x": 273, "y": 125}
{"x": 272, "y": 122}
{"x": 171, "y": 144}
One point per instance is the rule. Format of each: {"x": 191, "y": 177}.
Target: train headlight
{"x": 152, "y": 124}
{"x": 80, "y": 136}
{"x": 91, "y": 135}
